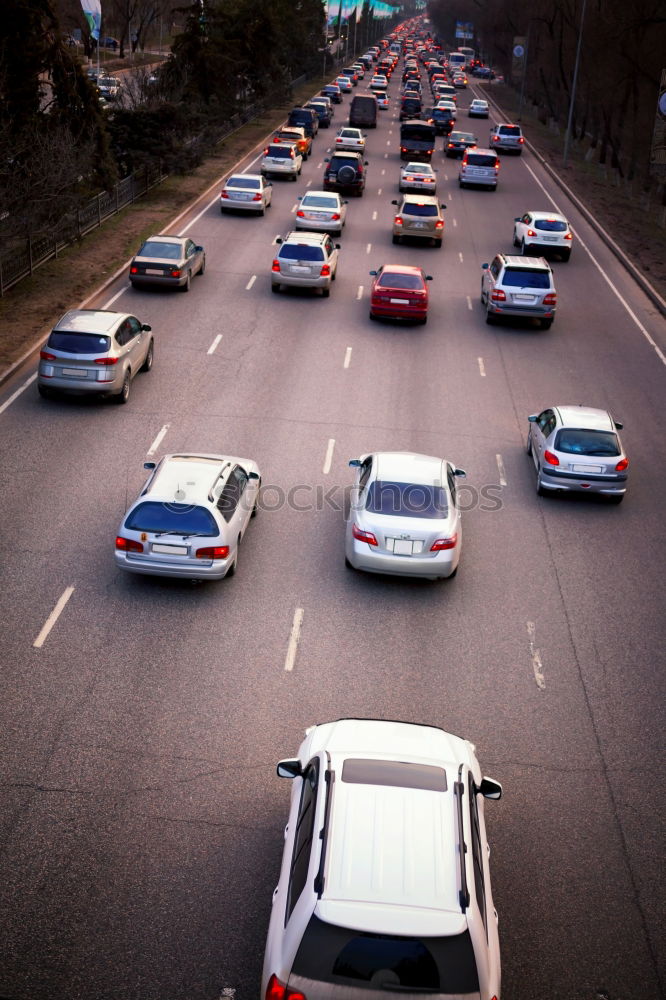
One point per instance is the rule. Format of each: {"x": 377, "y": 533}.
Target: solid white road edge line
{"x": 107, "y": 305}
{"x": 211, "y": 349}
{"x": 347, "y": 360}
{"x": 293, "y": 639}
{"x": 15, "y": 395}
{"x": 535, "y": 654}
{"x": 501, "y": 470}
{"x": 329, "y": 456}
{"x": 158, "y": 440}
{"x": 53, "y": 617}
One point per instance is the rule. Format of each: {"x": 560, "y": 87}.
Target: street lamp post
{"x": 573, "y": 86}
{"x": 522, "y": 82}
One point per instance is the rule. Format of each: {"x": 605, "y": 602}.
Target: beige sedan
{"x": 419, "y": 216}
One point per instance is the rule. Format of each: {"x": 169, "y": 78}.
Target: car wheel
{"x": 460, "y": 183}
{"x": 262, "y": 211}
{"x": 372, "y": 315}
{"x": 539, "y": 488}
{"x": 234, "y": 566}
{"x": 565, "y": 256}
{"x": 615, "y": 498}
{"x": 396, "y": 239}
{"x": 515, "y": 238}
{"x": 348, "y": 564}
{"x": 124, "y": 393}
{"x": 275, "y": 288}
{"x": 148, "y": 363}
{"x": 451, "y": 575}
{"x": 255, "y": 509}
{"x": 325, "y": 292}
{"x": 437, "y": 243}
{"x": 188, "y": 282}
{"x": 546, "y": 324}
{"x": 44, "y": 392}
{"x": 490, "y": 317}
{"x": 202, "y": 269}
{"x": 528, "y": 446}
{"x": 524, "y": 249}
{"x": 423, "y": 321}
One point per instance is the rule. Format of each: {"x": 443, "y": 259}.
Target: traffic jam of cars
{"x": 331, "y": 926}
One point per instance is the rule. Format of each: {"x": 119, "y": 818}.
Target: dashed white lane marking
{"x": 53, "y": 617}
{"x": 368, "y": 248}
{"x": 383, "y": 172}
{"x": 113, "y": 298}
{"x": 460, "y": 257}
{"x": 294, "y": 637}
{"x": 347, "y": 361}
{"x": 374, "y": 216}
{"x": 379, "y": 191}
{"x": 450, "y": 195}
{"x": 329, "y": 456}
{"x": 386, "y": 156}
{"x": 158, "y": 440}
{"x": 482, "y": 368}
{"x": 320, "y": 165}
{"x": 390, "y": 131}
{"x": 15, "y": 395}
{"x": 501, "y": 470}
{"x": 535, "y": 654}
{"x": 293, "y": 208}
{"x": 455, "y": 222}
{"x": 250, "y": 283}
{"x": 308, "y": 184}
{"x": 213, "y": 346}
{"x": 388, "y": 142}
{"x": 446, "y": 177}
{"x": 469, "y": 303}
{"x": 228, "y": 993}
{"x": 359, "y": 294}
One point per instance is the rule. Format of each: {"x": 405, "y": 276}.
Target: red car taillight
{"x": 568, "y": 236}
{"x": 213, "y": 552}
{"x": 495, "y": 138}
{"x": 175, "y": 273}
{"x": 278, "y": 991}
{"x": 439, "y": 224}
{"x": 106, "y": 361}
{"x": 398, "y": 220}
{"x": 276, "y": 265}
{"x": 363, "y": 536}
{"x": 134, "y": 270}
{"x": 325, "y": 271}
{"x": 444, "y": 543}
{"x": 530, "y": 232}
{"x": 224, "y": 194}
{"x": 550, "y": 458}
{"x": 256, "y": 197}
{"x": 301, "y": 214}
{"x": 521, "y": 140}
{"x": 128, "y": 544}
{"x": 334, "y": 218}
{"x": 550, "y": 299}
{"x": 498, "y": 295}
{"x": 622, "y": 465}
{"x": 45, "y": 356}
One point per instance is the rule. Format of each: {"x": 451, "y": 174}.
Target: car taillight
{"x": 213, "y": 552}
{"x": 134, "y": 270}
{"x": 277, "y": 990}
{"x": 444, "y": 543}
{"x": 45, "y": 356}
{"x": 256, "y": 197}
{"x": 276, "y": 265}
{"x": 105, "y": 361}
{"x": 363, "y": 536}
{"x": 495, "y": 138}
{"x": 334, "y": 218}
{"x": 451, "y": 145}
{"x": 439, "y": 224}
{"x": 550, "y": 299}
{"x": 128, "y": 544}
{"x": 224, "y": 194}
{"x": 521, "y": 140}
{"x": 291, "y": 155}
{"x": 622, "y": 465}
{"x": 498, "y": 295}
{"x": 339, "y": 138}
{"x": 568, "y": 236}
{"x": 325, "y": 271}
{"x": 175, "y": 273}
{"x": 398, "y": 220}
{"x": 403, "y": 149}
{"x": 550, "y": 458}
{"x": 300, "y": 214}
{"x": 530, "y": 232}
{"x": 266, "y": 151}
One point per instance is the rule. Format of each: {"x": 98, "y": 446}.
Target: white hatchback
{"x": 384, "y": 887}
{"x": 539, "y": 233}
{"x": 351, "y": 139}
{"x": 282, "y": 159}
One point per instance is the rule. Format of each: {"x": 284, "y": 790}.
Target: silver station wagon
{"x": 190, "y": 517}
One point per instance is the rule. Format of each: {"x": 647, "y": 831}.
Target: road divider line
{"x": 308, "y": 184}
{"x": 250, "y": 283}
{"x": 535, "y": 654}
{"x": 359, "y": 294}
{"x": 158, "y": 440}
{"x": 293, "y": 208}
{"x": 446, "y": 177}
{"x": 15, "y": 395}
{"x": 107, "y": 305}
{"x": 294, "y": 639}
{"x": 347, "y": 360}
{"x": 368, "y": 248}
{"x": 450, "y": 195}
{"x": 386, "y": 156}
{"x": 482, "y": 368}
{"x": 213, "y": 346}
{"x": 460, "y": 257}
{"x": 379, "y": 191}
{"x": 383, "y": 172}
{"x": 374, "y": 216}
{"x": 53, "y": 617}
{"x": 388, "y": 142}
{"x": 469, "y": 303}
{"x": 455, "y": 223}
{"x": 320, "y": 165}
{"x": 329, "y": 456}
{"x": 501, "y": 470}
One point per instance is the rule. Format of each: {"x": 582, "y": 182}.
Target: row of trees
{"x": 622, "y": 56}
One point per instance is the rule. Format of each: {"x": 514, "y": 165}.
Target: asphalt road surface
{"x": 141, "y": 819}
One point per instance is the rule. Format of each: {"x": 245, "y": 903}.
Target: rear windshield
{"x": 393, "y": 280}
{"x": 280, "y": 151}
{"x": 172, "y": 519}
{"x": 417, "y": 133}
{"x": 522, "y": 278}
{"x": 300, "y": 251}
{"x": 414, "y": 208}
{"x": 79, "y": 343}
{"x": 411, "y": 104}
{"x": 364, "y": 102}
{"x": 171, "y": 251}
{"x": 406, "y": 499}
{"x": 300, "y": 116}
{"x": 244, "y": 182}
{"x": 584, "y": 442}
{"x": 343, "y": 161}
{"x": 481, "y": 160}
{"x": 509, "y": 130}
{"x": 317, "y": 201}
{"x": 354, "y": 958}
{"x": 551, "y": 225}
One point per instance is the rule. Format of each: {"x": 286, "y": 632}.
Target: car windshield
{"x": 523, "y": 278}
{"x": 79, "y": 343}
{"x": 551, "y": 225}
{"x": 300, "y": 251}
{"x": 587, "y": 442}
{"x": 244, "y": 182}
{"x": 406, "y": 499}
{"x": 173, "y": 518}
{"x": 169, "y": 251}
{"x": 407, "y": 281}
{"x": 319, "y": 201}
{"x": 418, "y": 208}
{"x": 481, "y": 160}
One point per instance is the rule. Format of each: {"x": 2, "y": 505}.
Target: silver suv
{"x": 305, "y": 260}
{"x": 518, "y": 286}
{"x": 94, "y": 351}
{"x": 507, "y": 137}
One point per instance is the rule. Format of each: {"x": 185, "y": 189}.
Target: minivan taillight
{"x": 498, "y": 295}
{"x": 277, "y": 990}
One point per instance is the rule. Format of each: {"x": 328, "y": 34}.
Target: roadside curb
{"x": 631, "y": 268}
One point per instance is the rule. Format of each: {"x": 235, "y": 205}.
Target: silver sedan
{"x": 247, "y": 192}
{"x": 322, "y": 211}
{"x": 404, "y": 516}
{"x": 171, "y": 261}
{"x": 418, "y": 177}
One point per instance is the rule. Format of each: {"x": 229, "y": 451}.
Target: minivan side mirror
{"x": 533, "y": 417}
{"x": 490, "y": 789}
{"x": 290, "y": 768}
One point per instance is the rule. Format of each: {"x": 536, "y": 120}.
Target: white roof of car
{"x": 585, "y": 416}
{"x": 548, "y": 215}
{"x": 89, "y": 320}
{"x": 396, "y": 465}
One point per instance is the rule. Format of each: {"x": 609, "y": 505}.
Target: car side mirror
{"x": 365, "y": 163}
{"x": 618, "y": 424}
{"x": 460, "y": 473}
{"x": 290, "y": 768}
{"x": 533, "y": 417}
{"x": 394, "y": 202}
{"x": 428, "y": 277}
{"x": 253, "y": 475}
{"x": 373, "y": 273}
{"x": 144, "y": 326}
{"x": 517, "y": 220}
{"x": 198, "y": 249}
{"x": 345, "y": 203}
{"x": 443, "y": 206}
{"x": 150, "y": 465}
{"x": 490, "y": 789}
{"x": 354, "y": 463}
{"x": 484, "y": 267}
{"x": 278, "y": 239}
{"x": 337, "y": 246}
{"x": 327, "y": 159}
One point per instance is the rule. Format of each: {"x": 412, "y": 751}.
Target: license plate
{"x": 419, "y": 225}
{"x": 401, "y": 547}
{"x": 399, "y": 302}
{"x": 173, "y": 550}
{"x": 299, "y": 269}
{"x": 586, "y": 468}
{"x": 75, "y": 372}
{"x": 241, "y": 196}
{"x": 549, "y": 239}
{"x": 316, "y": 215}
{"x": 524, "y": 298}
{"x": 153, "y": 270}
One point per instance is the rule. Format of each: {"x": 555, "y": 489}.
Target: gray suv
{"x": 305, "y": 260}
{"x": 518, "y": 286}
{"x": 94, "y": 352}
{"x": 507, "y": 137}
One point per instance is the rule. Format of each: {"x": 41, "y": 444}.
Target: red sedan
{"x": 400, "y": 292}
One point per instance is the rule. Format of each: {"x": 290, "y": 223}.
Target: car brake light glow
{"x": 277, "y": 990}
{"x": 213, "y": 552}
{"x": 128, "y": 544}
{"x": 325, "y": 271}
{"x": 224, "y": 194}
{"x": 439, "y": 224}
{"x": 550, "y": 299}
{"x": 444, "y": 543}
{"x": 622, "y": 465}
{"x": 530, "y": 232}
{"x": 498, "y": 295}
{"x": 276, "y": 265}
{"x": 175, "y": 273}
{"x": 256, "y": 197}
{"x": 134, "y": 270}
{"x": 106, "y": 361}
{"x": 550, "y": 458}
{"x": 335, "y": 217}
{"x": 521, "y": 139}
{"x": 398, "y": 220}
{"x": 363, "y": 536}
{"x": 45, "y": 356}
{"x": 495, "y": 138}
{"x": 568, "y": 236}
{"x": 300, "y": 214}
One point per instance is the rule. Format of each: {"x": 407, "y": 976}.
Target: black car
{"x": 304, "y": 118}
{"x": 345, "y": 172}
{"x": 332, "y": 91}
{"x": 443, "y": 120}
{"x": 323, "y": 113}
{"x": 457, "y": 142}
{"x": 410, "y": 108}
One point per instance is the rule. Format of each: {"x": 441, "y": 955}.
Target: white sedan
{"x": 383, "y": 102}
{"x": 478, "y": 109}
{"x": 351, "y": 139}
{"x": 378, "y": 82}
{"x": 538, "y": 233}
{"x": 248, "y": 192}
{"x": 418, "y": 177}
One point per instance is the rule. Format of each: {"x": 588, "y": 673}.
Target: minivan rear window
{"x": 481, "y": 160}
{"x": 522, "y": 278}
{"x": 79, "y": 343}
{"x": 171, "y": 519}
{"x": 280, "y": 152}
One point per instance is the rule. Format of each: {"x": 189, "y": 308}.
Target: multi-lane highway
{"x": 140, "y": 719}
